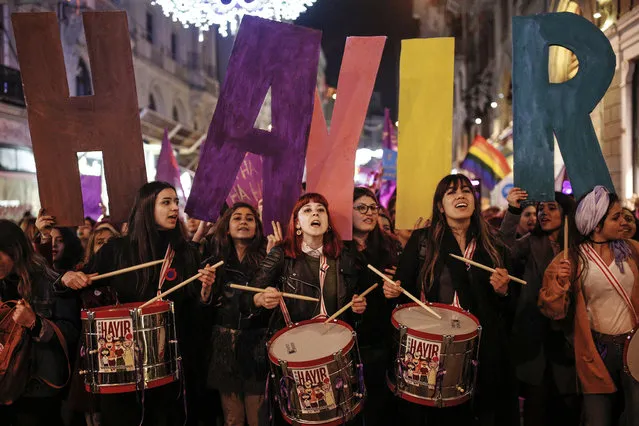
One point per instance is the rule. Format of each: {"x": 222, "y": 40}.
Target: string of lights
{"x": 227, "y": 14}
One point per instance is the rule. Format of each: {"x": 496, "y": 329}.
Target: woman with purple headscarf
{"x": 598, "y": 288}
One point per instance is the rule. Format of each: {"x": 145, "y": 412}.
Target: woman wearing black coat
{"x": 24, "y": 276}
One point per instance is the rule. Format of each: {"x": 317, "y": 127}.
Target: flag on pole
{"x": 168, "y": 170}
{"x": 486, "y": 162}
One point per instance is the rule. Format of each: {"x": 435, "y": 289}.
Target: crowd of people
{"x": 551, "y": 351}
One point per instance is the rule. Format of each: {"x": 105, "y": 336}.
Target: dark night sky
{"x": 339, "y": 19}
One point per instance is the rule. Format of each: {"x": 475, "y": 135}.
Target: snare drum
{"x": 631, "y": 355}
{"x": 127, "y": 348}
{"x": 436, "y": 362}
{"x": 317, "y": 373}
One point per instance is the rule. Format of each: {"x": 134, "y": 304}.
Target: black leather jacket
{"x": 293, "y": 276}
{"x": 225, "y": 301}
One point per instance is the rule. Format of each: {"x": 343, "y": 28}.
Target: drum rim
{"x": 358, "y": 407}
{"x": 123, "y": 310}
{"x": 633, "y": 334}
{"x": 451, "y": 402}
{"x": 312, "y": 362}
{"x": 436, "y": 337}
{"x": 132, "y": 387}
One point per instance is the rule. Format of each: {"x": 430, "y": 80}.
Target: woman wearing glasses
{"x": 372, "y": 245}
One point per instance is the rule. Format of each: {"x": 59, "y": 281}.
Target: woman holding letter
{"x": 154, "y": 232}
{"x": 542, "y": 353}
{"x": 428, "y": 272}
{"x": 597, "y": 288}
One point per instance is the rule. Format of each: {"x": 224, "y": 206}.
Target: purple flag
{"x": 167, "y": 169}
{"x": 266, "y": 54}
{"x": 389, "y": 136}
{"x": 248, "y": 182}
{"x": 389, "y": 143}
{"x": 91, "y": 195}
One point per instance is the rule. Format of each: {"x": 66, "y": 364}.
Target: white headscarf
{"x": 591, "y": 209}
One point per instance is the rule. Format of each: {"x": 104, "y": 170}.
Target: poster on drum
{"x": 421, "y": 361}
{"x": 314, "y": 390}
{"x": 115, "y": 345}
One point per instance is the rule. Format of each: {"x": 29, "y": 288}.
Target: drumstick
{"x": 263, "y": 290}
{"x": 125, "y": 270}
{"x": 566, "y": 237}
{"x": 179, "y": 286}
{"x": 485, "y": 268}
{"x": 349, "y": 304}
{"x": 406, "y": 293}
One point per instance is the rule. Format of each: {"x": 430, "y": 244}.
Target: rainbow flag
{"x": 486, "y": 162}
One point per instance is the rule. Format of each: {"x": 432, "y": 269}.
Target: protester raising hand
{"x": 275, "y": 238}
{"x": 516, "y": 196}
{"x": 202, "y": 230}
{"x": 45, "y": 224}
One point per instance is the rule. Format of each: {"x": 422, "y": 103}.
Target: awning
{"x": 185, "y": 140}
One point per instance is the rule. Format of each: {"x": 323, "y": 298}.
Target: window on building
{"x": 149, "y": 27}
{"x": 16, "y": 159}
{"x": 174, "y": 46}
{"x": 152, "y": 106}
{"x": 176, "y": 116}
{"x": 83, "y": 80}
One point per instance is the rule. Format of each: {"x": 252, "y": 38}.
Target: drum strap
{"x": 168, "y": 259}
{"x": 322, "y": 277}
{"x": 597, "y": 260}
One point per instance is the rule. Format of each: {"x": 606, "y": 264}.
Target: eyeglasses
{"x": 363, "y": 208}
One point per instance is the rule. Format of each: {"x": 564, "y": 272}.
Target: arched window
{"x": 152, "y": 105}
{"x": 83, "y": 80}
{"x": 176, "y": 115}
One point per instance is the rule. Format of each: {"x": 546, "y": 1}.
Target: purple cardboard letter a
{"x": 266, "y": 55}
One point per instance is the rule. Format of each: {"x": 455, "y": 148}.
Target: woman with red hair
{"x": 310, "y": 261}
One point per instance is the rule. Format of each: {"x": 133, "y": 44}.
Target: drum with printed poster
{"x": 436, "y": 359}
{"x": 631, "y": 354}
{"x": 127, "y": 348}
{"x": 317, "y": 375}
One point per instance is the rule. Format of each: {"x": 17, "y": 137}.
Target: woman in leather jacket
{"x": 294, "y": 267}
{"x": 24, "y": 276}
{"x": 234, "y": 369}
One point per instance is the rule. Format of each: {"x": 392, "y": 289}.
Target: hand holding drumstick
{"x": 269, "y": 299}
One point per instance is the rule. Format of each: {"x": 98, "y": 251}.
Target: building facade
{"x": 176, "y": 79}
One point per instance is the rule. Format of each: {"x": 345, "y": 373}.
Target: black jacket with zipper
{"x": 294, "y": 276}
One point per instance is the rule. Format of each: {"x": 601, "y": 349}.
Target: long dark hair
{"x": 378, "y": 242}
{"x": 222, "y": 243}
{"x": 568, "y": 206}
{"x": 144, "y": 237}
{"x": 292, "y": 243}
{"x": 575, "y": 253}
{"x": 479, "y": 230}
{"x": 27, "y": 264}
{"x": 73, "y": 251}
